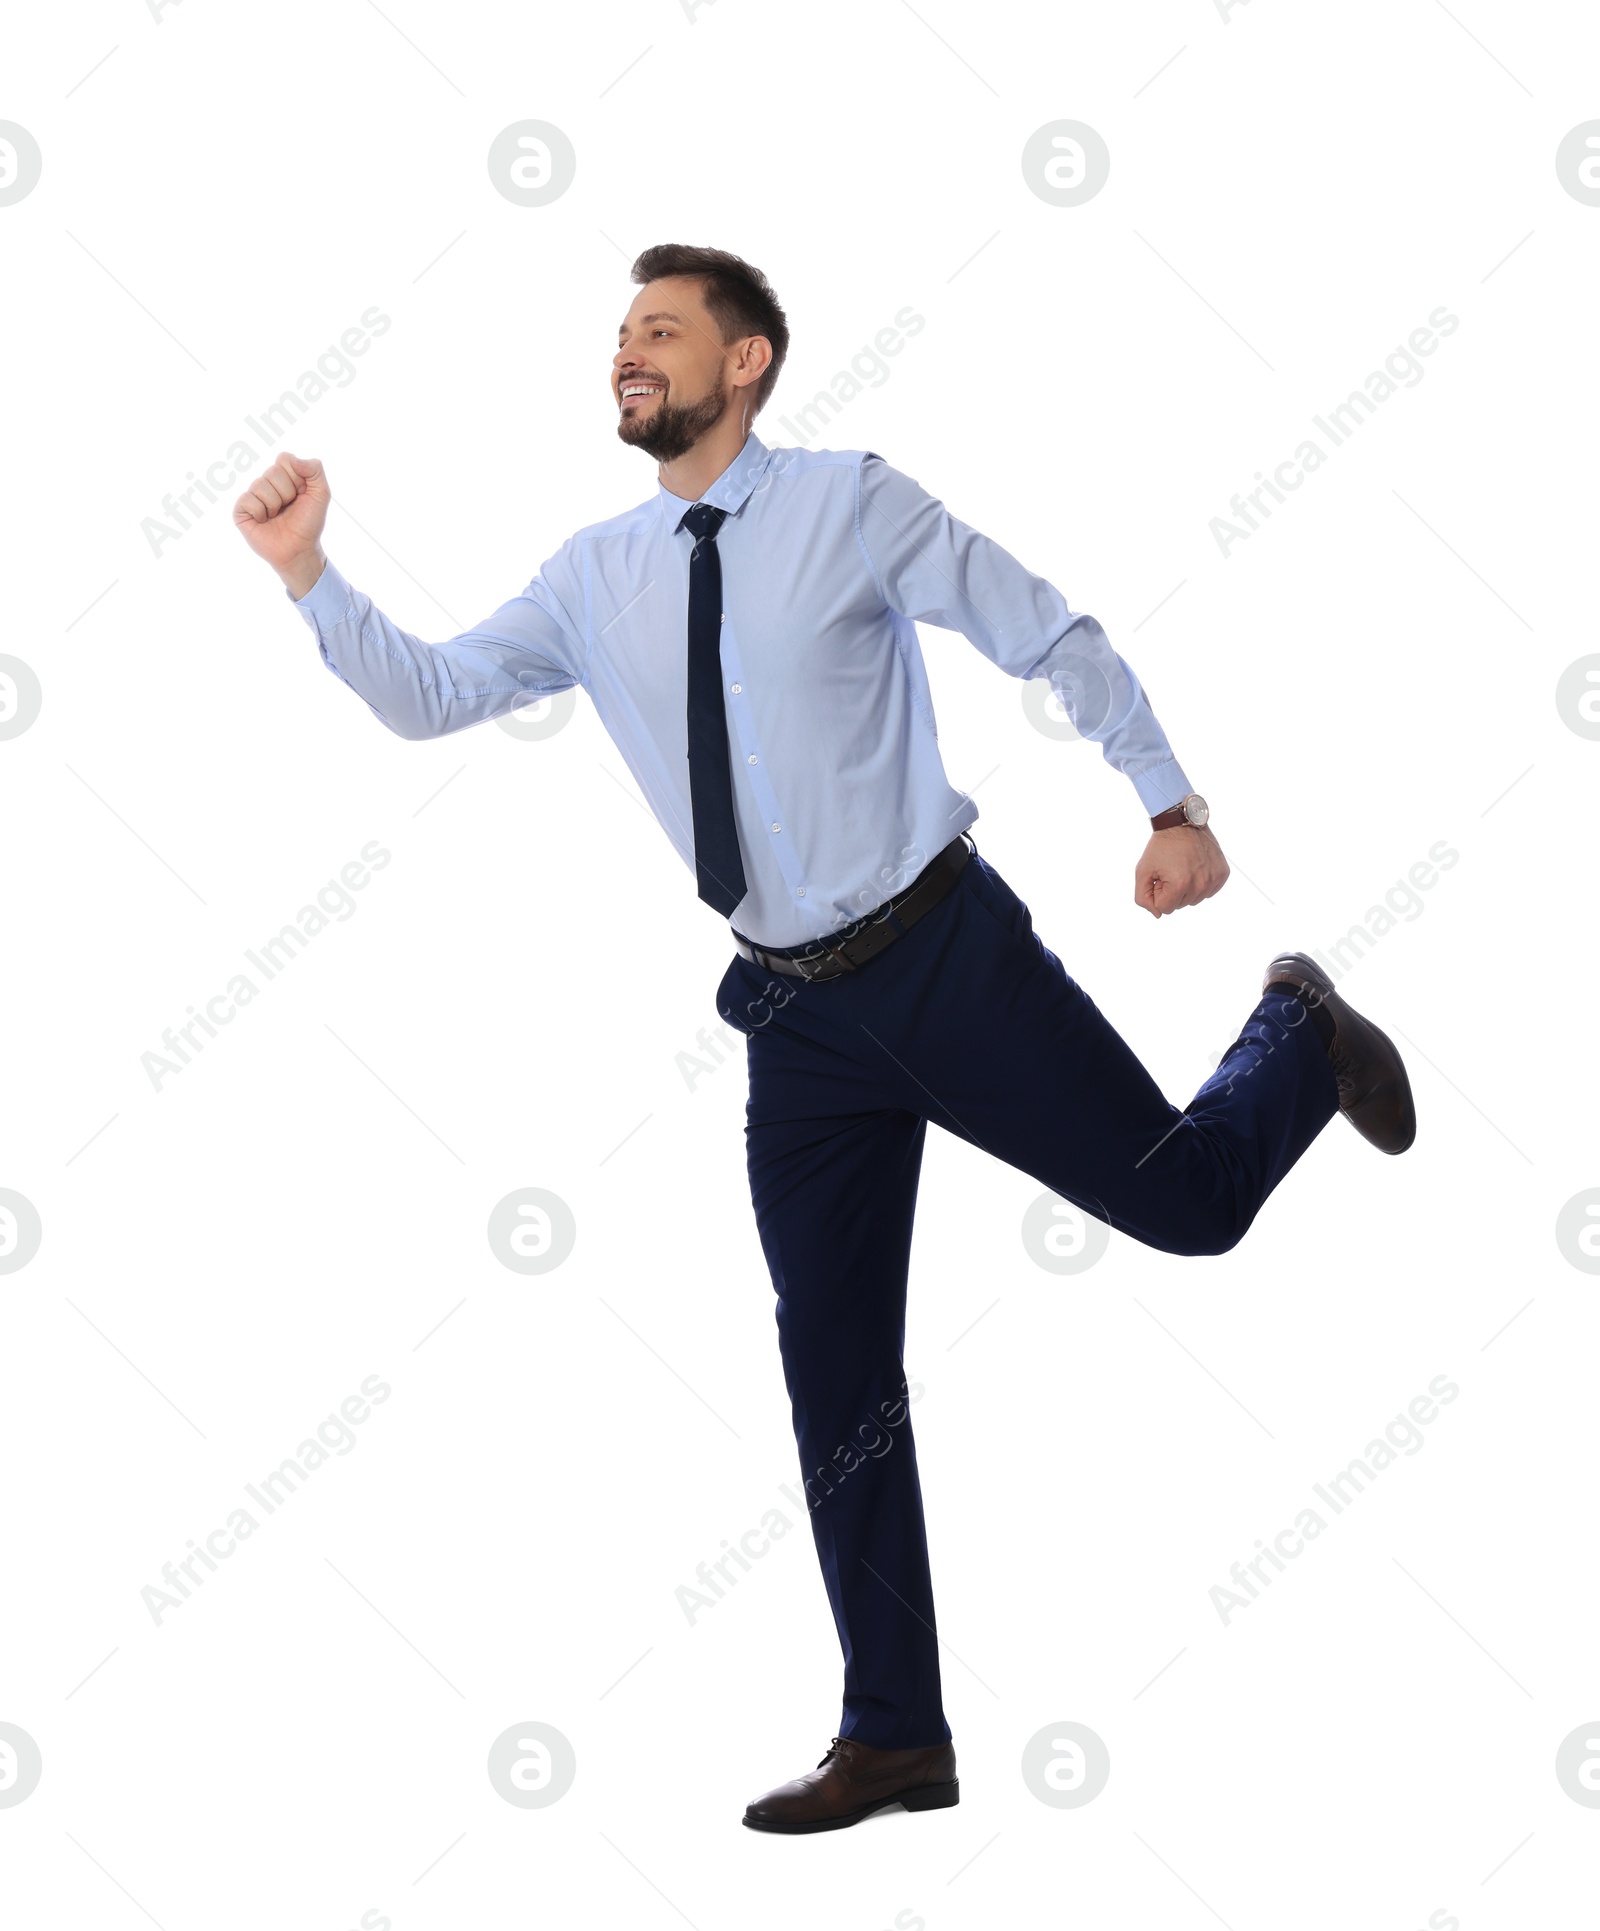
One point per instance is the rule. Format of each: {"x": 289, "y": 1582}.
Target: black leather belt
{"x": 848, "y": 949}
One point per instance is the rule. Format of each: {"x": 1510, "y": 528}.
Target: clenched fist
{"x": 1179, "y": 867}
{"x": 281, "y": 516}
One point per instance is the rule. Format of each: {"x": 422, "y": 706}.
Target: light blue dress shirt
{"x": 830, "y": 558}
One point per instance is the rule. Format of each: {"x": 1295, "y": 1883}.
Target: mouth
{"x": 635, "y": 394}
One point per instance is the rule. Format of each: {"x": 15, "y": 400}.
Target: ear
{"x": 752, "y": 361}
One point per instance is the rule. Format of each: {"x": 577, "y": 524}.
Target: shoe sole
{"x": 933, "y": 1796}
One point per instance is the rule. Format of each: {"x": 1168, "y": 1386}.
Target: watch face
{"x": 1195, "y": 809}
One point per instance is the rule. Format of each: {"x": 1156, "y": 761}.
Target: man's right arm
{"x": 302, "y": 571}
{"x": 531, "y": 646}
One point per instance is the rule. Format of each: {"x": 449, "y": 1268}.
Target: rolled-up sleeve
{"x": 933, "y": 568}
{"x": 532, "y": 646}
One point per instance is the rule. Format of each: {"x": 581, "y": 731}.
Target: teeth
{"x": 641, "y": 389}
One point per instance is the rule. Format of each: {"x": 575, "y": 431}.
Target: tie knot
{"x": 702, "y": 521}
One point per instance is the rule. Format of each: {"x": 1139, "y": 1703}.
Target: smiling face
{"x": 672, "y": 377}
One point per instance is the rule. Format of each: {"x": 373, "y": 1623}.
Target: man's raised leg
{"x": 1002, "y": 1047}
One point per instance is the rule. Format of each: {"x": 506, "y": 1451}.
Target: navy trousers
{"x": 969, "y": 1021}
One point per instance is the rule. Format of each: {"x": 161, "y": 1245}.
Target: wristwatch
{"x": 1193, "y": 810}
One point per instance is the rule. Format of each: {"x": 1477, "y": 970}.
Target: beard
{"x": 673, "y": 428}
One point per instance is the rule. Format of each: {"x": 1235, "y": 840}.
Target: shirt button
{"x": 723, "y": 618}
{"x": 777, "y": 828}
{"x": 736, "y": 688}
{"x": 751, "y": 759}
{"x": 799, "y": 891}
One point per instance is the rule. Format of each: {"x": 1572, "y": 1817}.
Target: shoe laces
{"x": 1343, "y": 1067}
{"x": 839, "y": 1747}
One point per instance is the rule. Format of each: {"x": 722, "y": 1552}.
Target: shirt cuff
{"x": 326, "y": 601}
{"x": 1159, "y": 786}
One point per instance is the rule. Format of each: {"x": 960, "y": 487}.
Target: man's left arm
{"x": 935, "y": 569}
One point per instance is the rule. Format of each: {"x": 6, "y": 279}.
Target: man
{"x": 748, "y": 638}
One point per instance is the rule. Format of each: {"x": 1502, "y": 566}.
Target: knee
{"x": 1215, "y": 1229}
{"x": 1221, "y": 1240}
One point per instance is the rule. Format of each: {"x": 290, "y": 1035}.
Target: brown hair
{"x": 738, "y": 297}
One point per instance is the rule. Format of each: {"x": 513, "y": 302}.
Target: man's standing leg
{"x": 833, "y": 1172}
{"x": 833, "y": 1168}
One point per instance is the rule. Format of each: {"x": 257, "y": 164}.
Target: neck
{"x": 693, "y": 473}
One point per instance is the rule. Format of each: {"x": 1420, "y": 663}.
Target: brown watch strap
{"x": 1170, "y": 819}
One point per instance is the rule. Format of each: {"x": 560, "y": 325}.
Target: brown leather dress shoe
{"x": 1374, "y": 1092}
{"x": 852, "y": 1781}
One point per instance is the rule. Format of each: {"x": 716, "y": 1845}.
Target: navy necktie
{"x": 718, "y": 868}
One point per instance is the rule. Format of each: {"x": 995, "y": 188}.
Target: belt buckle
{"x": 802, "y": 962}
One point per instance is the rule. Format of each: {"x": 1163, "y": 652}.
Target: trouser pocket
{"x": 730, "y": 1001}
{"x": 996, "y": 897}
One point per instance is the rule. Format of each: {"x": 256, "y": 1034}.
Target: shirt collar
{"x": 730, "y": 489}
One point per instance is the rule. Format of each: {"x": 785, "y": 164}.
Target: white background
{"x": 225, "y": 1259}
